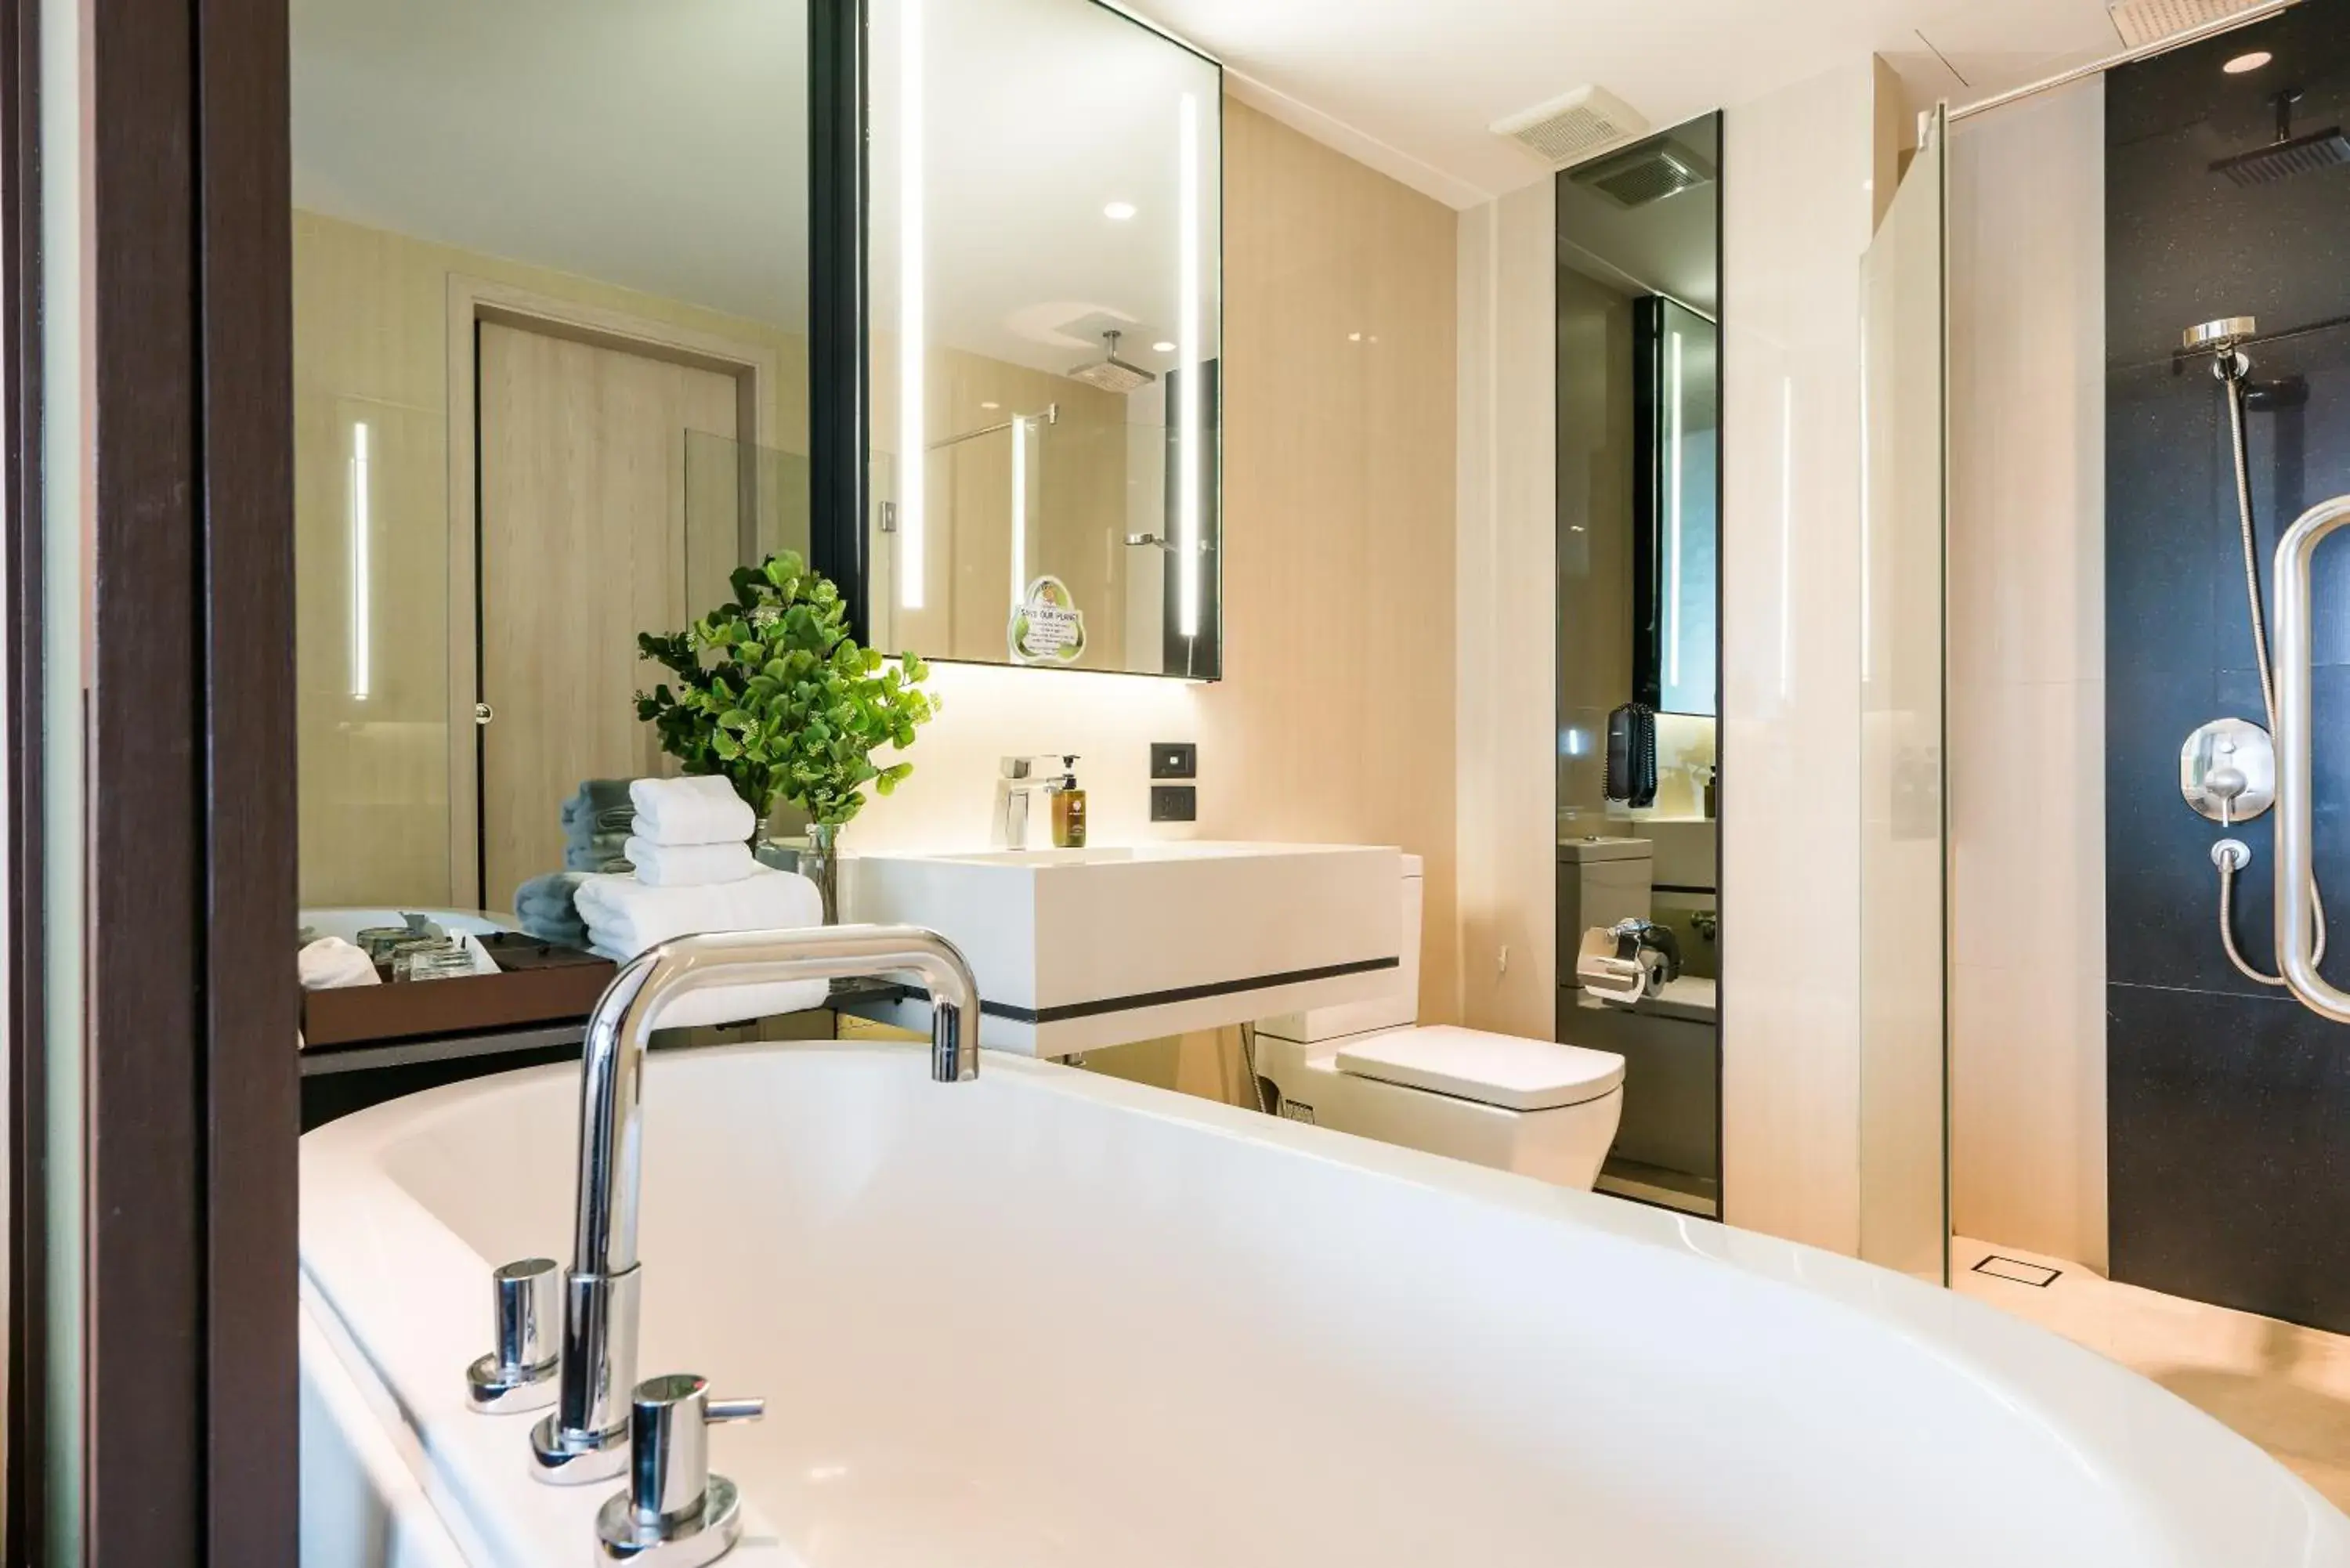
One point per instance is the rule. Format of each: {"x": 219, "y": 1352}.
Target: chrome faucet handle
{"x": 675, "y": 1514}
{"x": 519, "y": 1374}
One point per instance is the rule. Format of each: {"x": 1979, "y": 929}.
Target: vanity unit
{"x": 1079, "y": 948}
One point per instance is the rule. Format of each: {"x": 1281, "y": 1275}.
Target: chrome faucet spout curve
{"x": 584, "y": 1438}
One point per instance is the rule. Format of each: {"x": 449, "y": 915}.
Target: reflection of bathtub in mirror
{"x": 1555, "y": 1372}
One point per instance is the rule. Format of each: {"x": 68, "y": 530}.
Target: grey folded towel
{"x": 598, "y": 806}
{"x": 544, "y": 907}
{"x": 605, "y": 852}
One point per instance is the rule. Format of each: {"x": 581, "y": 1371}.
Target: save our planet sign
{"x": 1046, "y": 628}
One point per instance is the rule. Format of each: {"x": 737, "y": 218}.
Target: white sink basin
{"x": 1077, "y": 949}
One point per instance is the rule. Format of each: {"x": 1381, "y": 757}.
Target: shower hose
{"x": 2231, "y": 369}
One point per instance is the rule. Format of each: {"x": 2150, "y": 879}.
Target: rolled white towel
{"x": 330, "y": 963}
{"x": 624, "y": 917}
{"x": 704, "y": 810}
{"x": 689, "y": 865}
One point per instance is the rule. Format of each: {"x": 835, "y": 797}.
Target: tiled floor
{"x": 2285, "y": 1387}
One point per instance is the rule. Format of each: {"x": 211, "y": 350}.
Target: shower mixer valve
{"x": 2227, "y": 771}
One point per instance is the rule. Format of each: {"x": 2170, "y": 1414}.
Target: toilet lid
{"x": 1502, "y": 1070}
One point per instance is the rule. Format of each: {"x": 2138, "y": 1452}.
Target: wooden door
{"x": 582, "y": 546}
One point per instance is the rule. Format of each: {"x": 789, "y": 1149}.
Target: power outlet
{"x": 1174, "y": 803}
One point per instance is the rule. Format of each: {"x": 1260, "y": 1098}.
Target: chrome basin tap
{"x": 586, "y": 1437}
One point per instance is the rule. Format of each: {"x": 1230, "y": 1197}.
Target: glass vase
{"x": 820, "y": 864}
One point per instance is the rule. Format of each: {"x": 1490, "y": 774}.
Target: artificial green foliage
{"x": 774, "y": 696}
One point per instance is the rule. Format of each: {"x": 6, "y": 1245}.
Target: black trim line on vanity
{"x": 1141, "y": 998}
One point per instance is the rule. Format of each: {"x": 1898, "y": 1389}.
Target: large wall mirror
{"x": 551, "y": 303}
{"x": 1045, "y": 337}
{"x": 1639, "y": 481}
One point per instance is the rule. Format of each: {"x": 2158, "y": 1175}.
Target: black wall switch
{"x": 1174, "y": 803}
{"x": 1175, "y": 759}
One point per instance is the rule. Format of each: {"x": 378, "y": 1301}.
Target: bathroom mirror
{"x": 550, "y": 296}
{"x": 1043, "y": 262}
{"x": 1640, "y": 432}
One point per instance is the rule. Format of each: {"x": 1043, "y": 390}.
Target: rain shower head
{"x": 2289, "y": 154}
{"x": 1112, "y": 374}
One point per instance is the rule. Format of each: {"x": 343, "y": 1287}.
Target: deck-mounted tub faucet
{"x": 586, "y": 1437}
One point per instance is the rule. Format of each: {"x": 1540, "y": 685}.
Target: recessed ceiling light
{"x": 1163, "y": 347}
{"x": 2251, "y": 62}
{"x": 991, "y": 406}
{"x": 1118, "y": 212}
{"x": 1354, "y": 337}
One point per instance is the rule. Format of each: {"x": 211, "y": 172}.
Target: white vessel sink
{"x": 1077, "y": 948}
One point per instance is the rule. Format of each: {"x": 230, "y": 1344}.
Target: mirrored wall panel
{"x": 1044, "y": 276}
{"x": 550, "y": 294}
{"x": 1639, "y": 441}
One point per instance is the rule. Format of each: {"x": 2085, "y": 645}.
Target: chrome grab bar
{"x": 2297, "y": 866}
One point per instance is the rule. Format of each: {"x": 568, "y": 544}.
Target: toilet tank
{"x": 1396, "y": 1008}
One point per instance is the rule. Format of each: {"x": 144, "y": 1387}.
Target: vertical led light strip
{"x": 1019, "y": 507}
{"x": 913, "y": 462}
{"x": 1786, "y": 535}
{"x": 362, "y": 569}
{"x": 1868, "y": 582}
{"x": 1190, "y": 438}
{"x": 1673, "y": 529}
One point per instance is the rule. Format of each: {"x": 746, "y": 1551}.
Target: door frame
{"x": 176, "y": 1180}
{"x": 475, "y": 302}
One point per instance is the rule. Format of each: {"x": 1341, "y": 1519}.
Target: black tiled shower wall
{"x": 2228, "y": 1104}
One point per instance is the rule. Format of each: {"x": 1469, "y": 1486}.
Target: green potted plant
{"x": 772, "y": 695}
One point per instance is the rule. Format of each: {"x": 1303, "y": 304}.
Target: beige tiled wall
{"x": 1508, "y": 610}
{"x": 2027, "y": 675}
{"x": 1797, "y": 213}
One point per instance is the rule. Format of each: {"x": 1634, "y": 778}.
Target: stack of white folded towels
{"x": 694, "y": 874}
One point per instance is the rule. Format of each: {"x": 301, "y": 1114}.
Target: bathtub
{"x": 1054, "y": 1320}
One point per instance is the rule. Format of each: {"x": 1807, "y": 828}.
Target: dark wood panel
{"x": 27, "y": 1033}
{"x": 143, "y": 1500}
{"x": 244, "y": 262}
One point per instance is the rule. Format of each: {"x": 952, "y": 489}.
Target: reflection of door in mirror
{"x": 583, "y": 545}
{"x": 551, "y": 358}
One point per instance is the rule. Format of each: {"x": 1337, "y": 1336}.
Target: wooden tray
{"x": 559, "y": 991}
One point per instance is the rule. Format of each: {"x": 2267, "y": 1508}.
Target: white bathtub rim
{"x": 386, "y": 1244}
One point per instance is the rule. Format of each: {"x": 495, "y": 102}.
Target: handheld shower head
{"x": 2216, "y": 337}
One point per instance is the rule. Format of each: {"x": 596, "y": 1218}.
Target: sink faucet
{"x": 586, "y": 1437}
{"x": 1021, "y": 782}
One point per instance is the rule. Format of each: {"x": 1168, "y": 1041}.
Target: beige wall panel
{"x": 1507, "y": 608}
{"x": 1797, "y": 210}
{"x": 2027, "y": 675}
{"x": 1335, "y": 720}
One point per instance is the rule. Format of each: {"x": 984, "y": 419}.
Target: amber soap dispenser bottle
{"x": 1069, "y": 808}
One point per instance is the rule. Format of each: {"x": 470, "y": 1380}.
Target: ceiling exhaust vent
{"x": 2144, "y": 23}
{"x": 1574, "y": 124}
{"x": 1647, "y": 171}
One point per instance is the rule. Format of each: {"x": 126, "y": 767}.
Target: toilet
{"x": 1532, "y": 1106}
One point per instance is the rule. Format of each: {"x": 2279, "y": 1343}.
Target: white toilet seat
{"x": 1505, "y": 1071}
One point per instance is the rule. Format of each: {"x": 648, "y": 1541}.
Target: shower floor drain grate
{"x": 2017, "y": 1270}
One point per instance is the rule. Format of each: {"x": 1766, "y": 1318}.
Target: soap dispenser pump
{"x": 1068, "y": 807}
